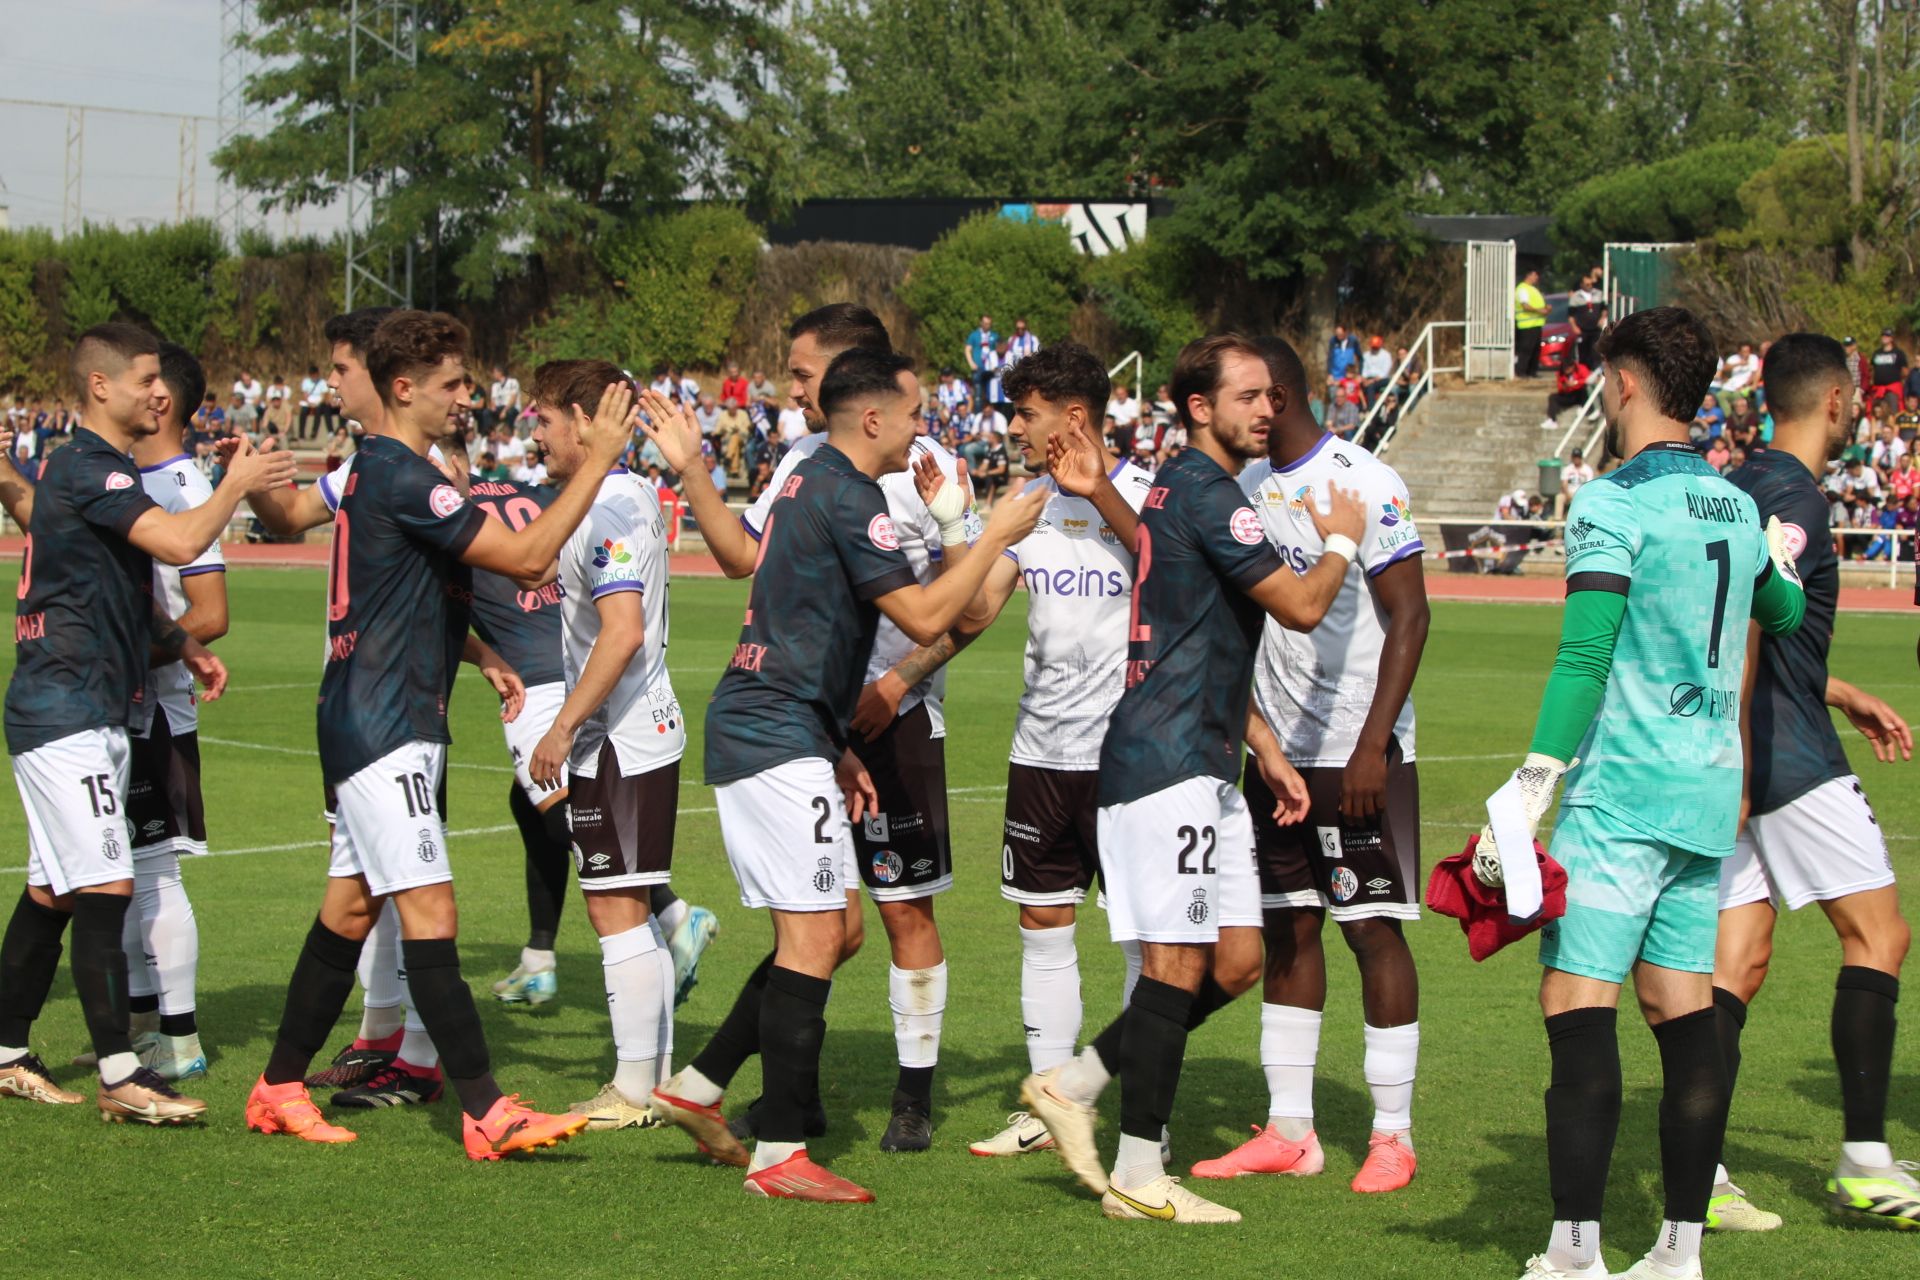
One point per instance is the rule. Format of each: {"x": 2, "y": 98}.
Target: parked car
{"x": 1560, "y": 340}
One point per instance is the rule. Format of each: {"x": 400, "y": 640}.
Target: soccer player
{"x": 1175, "y": 839}
{"x": 1666, "y": 561}
{"x": 396, "y": 625}
{"x": 905, "y": 858}
{"x": 1338, "y": 702}
{"x": 1810, "y": 834}
{"x": 618, "y": 737}
{"x": 86, "y": 629}
{"x": 777, "y": 740}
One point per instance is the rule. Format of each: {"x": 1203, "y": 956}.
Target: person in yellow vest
{"x": 1529, "y": 322}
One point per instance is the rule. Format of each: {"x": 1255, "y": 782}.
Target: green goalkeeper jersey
{"x": 1687, "y": 551}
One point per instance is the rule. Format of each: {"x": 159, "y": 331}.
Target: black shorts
{"x": 623, "y": 827}
{"x": 1355, "y": 872}
{"x": 163, "y": 792}
{"x": 902, "y": 851}
{"x": 1049, "y": 850}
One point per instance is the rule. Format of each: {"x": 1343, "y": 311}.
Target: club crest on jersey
{"x": 444, "y": 500}
{"x": 823, "y": 876}
{"x": 1246, "y": 527}
{"x": 611, "y": 552}
{"x": 887, "y": 866}
{"x": 1301, "y": 497}
{"x": 1197, "y": 909}
{"x": 882, "y": 534}
{"x": 1392, "y": 512}
{"x": 118, "y": 480}
{"x": 429, "y": 850}
{"x": 1345, "y": 884}
{"x": 109, "y": 846}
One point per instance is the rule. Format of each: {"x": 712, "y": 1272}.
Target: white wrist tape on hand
{"x": 1339, "y": 544}
{"x": 949, "y": 511}
{"x": 1539, "y": 777}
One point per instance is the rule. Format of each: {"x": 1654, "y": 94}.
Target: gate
{"x": 1490, "y": 283}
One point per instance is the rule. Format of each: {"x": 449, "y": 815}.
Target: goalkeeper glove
{"x": 1537, "y": 778}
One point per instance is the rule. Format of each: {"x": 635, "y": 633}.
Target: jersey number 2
{"x": 1193, "y": 838}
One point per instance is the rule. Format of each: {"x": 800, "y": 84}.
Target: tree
{"x": 994, "y": 266}
{"x": 1683, "y": 197}
{"x": 528, "y": 125}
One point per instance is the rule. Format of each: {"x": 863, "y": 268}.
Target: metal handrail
{"x": 1420, "y": 387}
{"x": 1139, "y": 363}
{"x": 1593, "y": 401}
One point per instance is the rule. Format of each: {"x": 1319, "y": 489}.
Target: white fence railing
{"x": 1422, "y": 350}
{"x": 1589, "y": 412}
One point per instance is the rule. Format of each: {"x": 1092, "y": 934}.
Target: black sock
{"x": 1153, "y": 1045}
{"x": 100, "y": 969}
{"x": 916, "y": 1083}
{"x": 737, "y": 1038}
{"x": 1106, "y": 1046}
{"x": 659, "y": 898}
{"x": 1693, "y": 1111}
{"x": 1863, "y": 1007}
{"x": 1730, "y": 1019}
{"x": 179, "y": 1024}
{"x": 1210, "y": 999}
{"x": 546, "y": 868}
{"x": 793, "y": 1026}
{"x": 29, "y": 957}
{"x": 1583, "y": 1110}
{"x": 143, "y": 1004}
{"x": 445, "y": 1005}
{"x": 322, "y": 980}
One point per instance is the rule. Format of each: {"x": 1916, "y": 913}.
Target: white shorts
{"x": 787, "y": 837}
{"x": 525, "y": 730}
{"x": 1178, "y": 864}
{"x": 386, "y": 824}
{"x": 74, "y": 791}
{"x": 1825, "y": 845}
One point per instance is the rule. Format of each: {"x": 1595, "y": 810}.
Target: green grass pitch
{"x": 83, "y": 1198}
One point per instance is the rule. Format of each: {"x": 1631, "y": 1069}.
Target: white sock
{"x": 663, "y": 960}
{"x": 1721, "y": 1177}
{"x": 1049, "y": 995}
{"x": 1677, "y": 1245}
{"x": 1575, "y": 1246}
{"x": 116, "y": 1067}
{"x": 1137, "y": 1162}
{"x": 133, "y": 941}
{"x": 416, "y": 1046}
{"x": 1391, "y": 1057}
{"x": 768, "y": 1154}
{"x": 670, "y": 918}
{"x": 11, "y": 1053}
{"x": 1084, "y": 1077}
{"x": 536, "y": 961}
{"x": 633, "y": 1007}
{"x": 1868, "y": 1155}
{"x": 1289, "y": 1048}
{"x": 171, "y": 940}
{"x": 1131, "y": 950}
{"x": 918, "y": 998}
{"x": 380, "y": 975}
{"x": 693, "y": 1087}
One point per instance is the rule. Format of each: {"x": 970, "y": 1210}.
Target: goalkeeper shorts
{"x": 1630, "y": 897}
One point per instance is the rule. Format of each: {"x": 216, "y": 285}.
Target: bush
{"x": 1800, "y": 200}
{"x": 993, "y": 266}
{"x": 678, "y": 282}
{"x": 575, "y": 328}
{"x": 23, "y": 321}
{"x": 1685, "y": 197}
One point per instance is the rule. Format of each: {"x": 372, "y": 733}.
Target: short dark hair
{"x": 1196, "y": 370}
{"x": 1064, "y": 373}
{"x": 109, "y": 348}
{"x": 561, "y": 383}
{"x": 1285, "y": 367}
{"x": 842, "y": 326}
{"x": 355, "y": 328}
{"x": 1669, "y": 347}
{"x": 186, "y": 380}
{"x": 859, "y": 372}
{"x": 408, "y": 342}
{"x": 1801, "y": 369}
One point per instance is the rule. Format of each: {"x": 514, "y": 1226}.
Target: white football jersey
{"x": 1316, "y": 689}
{"x": 622, "y": 546}
{"x": 919, "y": 540}
{"x": 1079, "y": 581}
{"x": 176, "y": 485}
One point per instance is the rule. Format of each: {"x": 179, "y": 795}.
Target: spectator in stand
{"x": 1347, "y": 397}
{"x": 1571, "y": 388}
{"x": 1886, "y": 449}
{"x": 242, "y": 417}
{"x": 1587, "y": 309}
{"x": 1908, "y": 522}
{"x": 757, "y": 483}
{"x": 706, "y": 414}
{"x": 1738, "y": 371}
{"x": 1910, "y": 391}
{"x": 1376, "y": 370}
{"x": 1709, "y": 422}
{"x": 733, "y": 428}
{"x": 717, "y": 472}
{"x": 993, "y": 470}
{"x": 280, "y": 405}
{"x": 1858, "y": 371}
{"x": 315, "y": 413}
{"x": 1146, "y": 443}
{"x": 734, "y": 387}
{"x": 1719, "y": 454}
{"x": 1021, "y": 345}
{"x": 503, "y": 399}
{"x": 664, "y": 383}
{"x": 761, "y": 389}
{"x": 1741, "y": 419}
{"x": 248, "y": 388}
{"x": 1860, "y": 482}
{"x": 1163, "y": 410}
{"x": 1889, "y": 372}
{"x": 953, "y": 393}
{"x": 1758, "y": 391}
{"x": 1343, "y": 356}
{"x": 793, "y": 424}
{"x": 1572, "y": 476}
{"x": 1902, "y": 479}
{"x": 1529, "y": 324}
{"x": 985, "y": 420}
{"x": 1124, "y": 409}
{"x": 491, "y": 468}
{"x": 995, "y": 364}
{"x": 688, "y": 387}
{"x": 339, "y": 448}
{"x": 979, "y": 343}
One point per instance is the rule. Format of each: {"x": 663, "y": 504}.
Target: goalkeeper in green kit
{"x": 1666, "y": 562}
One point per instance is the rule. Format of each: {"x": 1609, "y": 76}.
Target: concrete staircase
{"x": 1462, "y": 447}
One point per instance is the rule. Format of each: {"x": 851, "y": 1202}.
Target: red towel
{"x": 1453, "y": 890}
